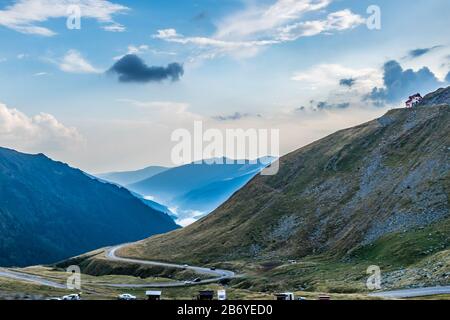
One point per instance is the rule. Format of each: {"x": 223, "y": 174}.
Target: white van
{"x": 221, "y": 295}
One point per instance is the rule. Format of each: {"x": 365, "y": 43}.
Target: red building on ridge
{"x": 414, "y": 100}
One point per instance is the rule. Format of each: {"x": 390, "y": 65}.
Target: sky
{"x": 108, "y": 95}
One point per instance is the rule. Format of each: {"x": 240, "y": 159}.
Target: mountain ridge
{"x": 334, "y": 196}
{"x": 50, "y": 211}
{"x": 129, "y": 177}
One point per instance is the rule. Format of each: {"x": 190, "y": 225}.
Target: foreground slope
{"x": 49, "y": 211}
{"x": 348, "y": 191}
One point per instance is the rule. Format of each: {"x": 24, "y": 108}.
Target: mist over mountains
{"x": 194, "y": 190}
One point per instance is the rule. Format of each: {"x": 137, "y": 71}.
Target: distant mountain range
{"x": 192, "y": 191}
{"x": 128, "y": 177}
{"x": 50, "y": 211}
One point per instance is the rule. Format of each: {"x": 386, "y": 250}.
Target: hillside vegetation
{"x": 364, "y": 193}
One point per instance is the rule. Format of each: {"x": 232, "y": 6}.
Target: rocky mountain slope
{"x": 343, "y": 196}
{"x": 50, "y": 211}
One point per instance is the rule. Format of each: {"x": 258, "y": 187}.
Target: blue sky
{"x": 262, "y": 64}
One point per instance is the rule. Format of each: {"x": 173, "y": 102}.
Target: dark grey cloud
{"x": 200, "y": 16}
{"x": 400, "y": 83}
{"x": 421, "y": 51}
{"x": 234, "y": 116}
{"x": 347, "y": 82}
{"x": 447, "y": 78}
{"x": 131, "y": 68}
{"x": 322, "y": 105}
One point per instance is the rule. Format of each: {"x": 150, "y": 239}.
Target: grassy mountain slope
{"x": 49, "y": 211}
{"x": 335, "y": 197}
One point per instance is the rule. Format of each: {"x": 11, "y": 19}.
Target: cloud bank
{"x": 131, "y": 68}
{"x": 245, "y": 33}
{"x": 25, "y": 15}
{"x": 400, "y": 83}
{"x": 40, "y": 133}
{"x": 73, "y": 62}
{"x": 232, "y": 117}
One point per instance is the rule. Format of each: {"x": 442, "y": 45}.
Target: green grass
{"x": 13, "y": 289}
{"x": 403, "y": 249}
{"x": 436, "y": 297}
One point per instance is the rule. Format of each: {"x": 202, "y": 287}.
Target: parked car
{"x": 75, "y": 296}
{"x": 213, "y": 268}
{"x": 221, "y": 295}
{"x": 185, "y": 265}
{"x": 196, "y": 280}
{"x": 126, "y": 296}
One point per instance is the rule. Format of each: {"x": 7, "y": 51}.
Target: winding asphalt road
{"x": 411, "y": 293}
{"x": 215, "y": 275}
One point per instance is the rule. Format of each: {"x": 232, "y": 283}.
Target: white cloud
{"x": 142, "y": 49}
{"x": 132, "y": 49}
{"x": 115, "y": 27}
{"x": 337, "y": 21}
{"x": 324, "y": 76}
{"x": 245, "y": 33}
{"x": 74, "y": 62}
{"x": 21, "y": 56}
{"x": 40, "y": 133}
{"x": 137, "y": 49}
{"x": 165, "y": 106}
{"x": 237, "y": 48}
{"x": 264, "y": 19}
{"x": 172, "y": 36}
{"x": 165, "y": 113}
{"x": 25, "y": 15}
{"x": 167, "y": 34}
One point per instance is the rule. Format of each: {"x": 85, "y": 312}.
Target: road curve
{"x": 411, "y": 293}
{"x": 110, "y": 254}
{"x": 216, "y": 275}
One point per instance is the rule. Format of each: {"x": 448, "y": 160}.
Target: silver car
{"x": 126, "y": 296}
